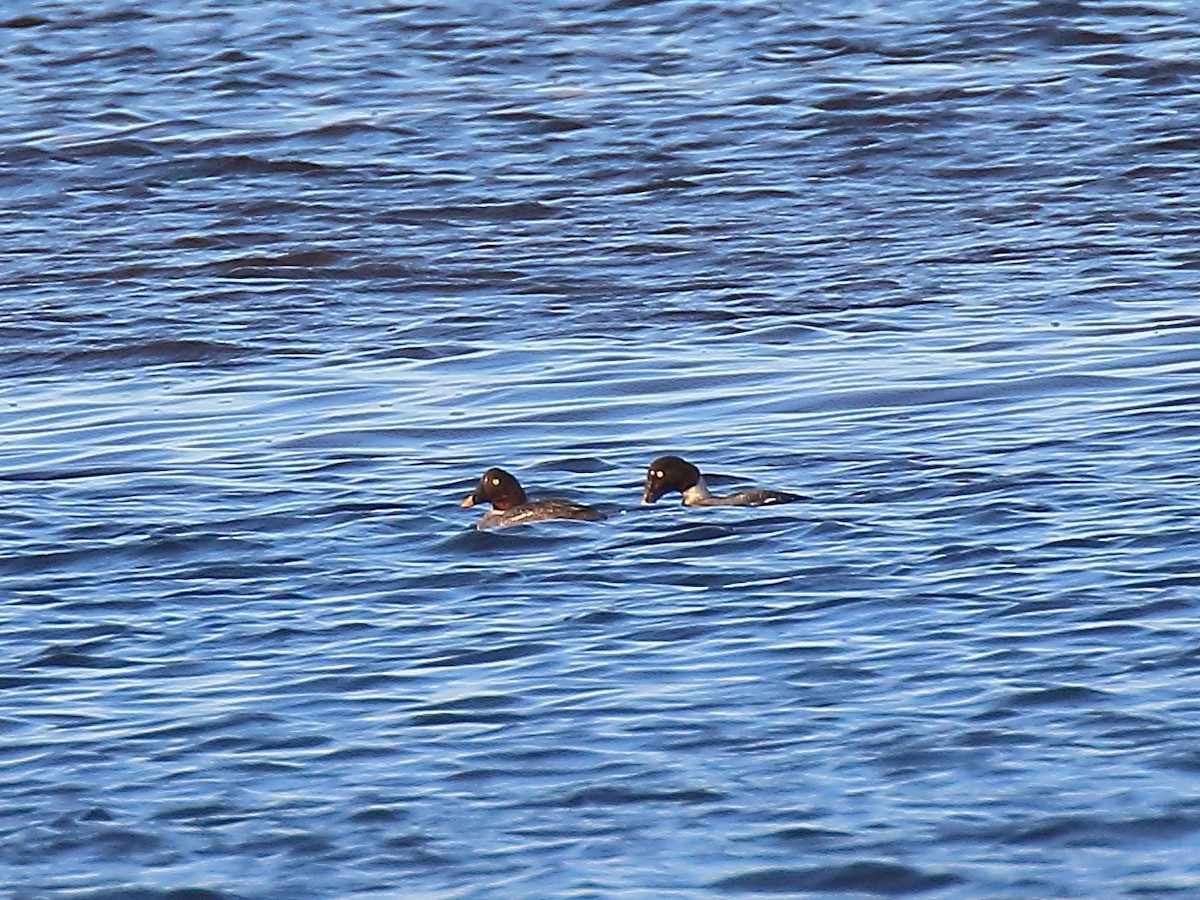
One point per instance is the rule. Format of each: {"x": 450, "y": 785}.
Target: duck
{"x": 510, "y": 506}
{"x": 670, "y": 473}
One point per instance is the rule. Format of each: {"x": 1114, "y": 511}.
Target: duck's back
{"x": 540, "y": 511}
{"x": 753, "y": 498}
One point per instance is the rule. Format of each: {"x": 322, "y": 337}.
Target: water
{"x": 281, "y": 281}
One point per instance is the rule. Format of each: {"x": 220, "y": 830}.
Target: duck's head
{"x": 498, "y": 488}
{"x": 669, "y": 473}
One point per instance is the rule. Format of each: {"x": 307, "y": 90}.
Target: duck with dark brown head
{"x": 510, "y": 506}
{"x": 670, "y": 473}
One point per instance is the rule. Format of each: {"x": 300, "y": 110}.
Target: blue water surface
{"x": 281, "y": 281}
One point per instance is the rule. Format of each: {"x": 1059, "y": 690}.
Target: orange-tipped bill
{"x": 468, "y": 501}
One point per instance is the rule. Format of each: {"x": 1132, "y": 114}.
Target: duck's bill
{"x": 649, "y": 497}
{"x": 468, "y": 501}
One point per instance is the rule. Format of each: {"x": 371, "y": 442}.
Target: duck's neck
{"x": 698, "y": 494}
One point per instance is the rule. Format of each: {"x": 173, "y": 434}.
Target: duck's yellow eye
{"x": 496, "y": 481}
{"x": 658, "y": 474}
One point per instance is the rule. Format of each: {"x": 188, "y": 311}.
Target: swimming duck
{"x": 510, "y": 506}
{"x": 670, "y": 473}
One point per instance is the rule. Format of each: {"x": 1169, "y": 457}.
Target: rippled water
{"x": 280, "y": 281}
